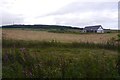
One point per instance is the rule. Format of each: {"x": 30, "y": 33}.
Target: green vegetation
{"x": 118, "y": 37}
{"x": 34, "y": 59}
{"x": 71, "y": 31}
{"x": 54, "y": 59}
{"x": 49, "y": 28}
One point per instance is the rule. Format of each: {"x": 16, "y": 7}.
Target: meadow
{"x": 25, "y": 54}
{"x": 62, "y": 37}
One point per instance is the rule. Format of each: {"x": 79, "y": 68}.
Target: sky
{"x": 76, "y": 13}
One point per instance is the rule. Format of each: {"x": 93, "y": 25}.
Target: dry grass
{"x": 47, "y": 36}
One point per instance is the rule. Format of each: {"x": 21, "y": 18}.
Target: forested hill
{"x": 41, "y": 26}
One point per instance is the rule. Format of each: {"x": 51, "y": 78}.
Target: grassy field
{"x": 47, "y": 36}
{"x": 40, "y": 54}
{"x": 26, "y": 59}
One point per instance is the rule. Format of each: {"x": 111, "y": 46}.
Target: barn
{"x": 94, "y": 29}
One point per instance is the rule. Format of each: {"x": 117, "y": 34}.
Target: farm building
{"x": 95, "y": 29}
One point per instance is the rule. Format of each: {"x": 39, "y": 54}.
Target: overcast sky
{"x": 78, "y": 13}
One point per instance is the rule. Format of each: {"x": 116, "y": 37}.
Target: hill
{"x": 41, "y": 26}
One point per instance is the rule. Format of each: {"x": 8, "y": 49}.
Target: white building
{"x": 95, "y": 29}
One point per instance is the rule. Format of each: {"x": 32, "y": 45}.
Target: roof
{"x": 92, "y": 27}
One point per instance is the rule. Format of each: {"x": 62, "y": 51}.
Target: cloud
{"x": 89, "y": 18}
{"x": 29, "y": 9}
{"x": 87, "y": 13}
{"x": 77, "y": 7}
{"x": 44, "y": 20}
{"x": 63, "y": 12}
{"x": 9, "y": 18}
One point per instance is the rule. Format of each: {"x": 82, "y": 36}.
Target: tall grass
{"x": 36, "y": 44}
{"x": 34, "y": 59}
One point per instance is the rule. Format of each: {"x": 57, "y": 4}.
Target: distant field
{"x": 62, "y": 37}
